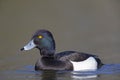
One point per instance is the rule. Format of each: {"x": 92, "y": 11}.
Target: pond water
{"x": 107, "y": 72}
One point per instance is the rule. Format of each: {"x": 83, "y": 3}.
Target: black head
{"x": 44, "y": 41}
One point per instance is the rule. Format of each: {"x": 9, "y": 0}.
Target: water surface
{"x": 28, "y": 73}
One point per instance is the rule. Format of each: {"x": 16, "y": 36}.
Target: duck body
{"x": 66, "y": 60}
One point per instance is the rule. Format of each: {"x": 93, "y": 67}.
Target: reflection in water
{"x": 48, "y": 75}
{"x": 70, "y": 75}
{"x": 83, "y": 75}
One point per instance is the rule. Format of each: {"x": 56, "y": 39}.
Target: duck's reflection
{"x": 83, "y": 75}
{"x": 48, "y": 75}
{"x": 76, "y": 77}
{"x": 70, "y": 75}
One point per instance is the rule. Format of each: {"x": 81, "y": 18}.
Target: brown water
{"x": 91, "y": 26}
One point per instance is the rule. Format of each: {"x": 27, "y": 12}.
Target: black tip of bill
{"x": 22, "y": 49}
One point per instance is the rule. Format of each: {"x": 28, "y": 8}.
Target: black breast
{"x": 50, "y": 63}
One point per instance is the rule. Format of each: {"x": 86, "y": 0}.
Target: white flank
{"x": 89, "y": 64}
{"x": 30, "y": 45}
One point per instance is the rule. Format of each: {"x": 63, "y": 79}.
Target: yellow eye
{"x": 40, "y": 37}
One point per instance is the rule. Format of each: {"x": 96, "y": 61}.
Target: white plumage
{"x": 89, "y": 64}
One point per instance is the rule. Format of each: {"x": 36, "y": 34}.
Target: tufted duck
{"x": 67, "y": 60}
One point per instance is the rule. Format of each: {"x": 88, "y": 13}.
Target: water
{"x": 28, "y": 73}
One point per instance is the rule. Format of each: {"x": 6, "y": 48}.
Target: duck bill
{"x": 29, "y": 46}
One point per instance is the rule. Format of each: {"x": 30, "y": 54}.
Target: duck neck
{"x": 45, "y": 52}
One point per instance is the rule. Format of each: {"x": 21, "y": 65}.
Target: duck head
{"x": 44, "y": 41}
